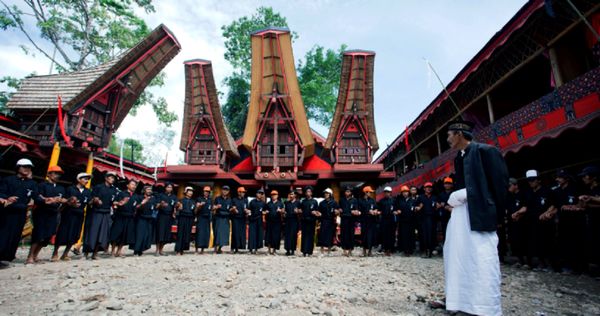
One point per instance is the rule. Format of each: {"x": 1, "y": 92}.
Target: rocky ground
{"x": 268, "y": 285}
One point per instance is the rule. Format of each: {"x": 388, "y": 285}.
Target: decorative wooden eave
{"x": 202, "y": 113}
{"x": 274, "y": 76}
{"x": 115, "y": 85}
{"x": 354, "y": 109}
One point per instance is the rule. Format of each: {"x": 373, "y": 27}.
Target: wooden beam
{"x": 490, "y": 108}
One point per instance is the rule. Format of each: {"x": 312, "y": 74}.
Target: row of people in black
{"x": 559, "y": 226}
{"x": 552, "y": 225}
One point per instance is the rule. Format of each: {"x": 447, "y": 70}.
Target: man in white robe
{"x": 471, "y": 263}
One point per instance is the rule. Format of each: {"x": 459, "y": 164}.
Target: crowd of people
{"x": 546, "y": 228}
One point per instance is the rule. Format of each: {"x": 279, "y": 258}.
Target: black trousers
{"x": 308, "y": 237}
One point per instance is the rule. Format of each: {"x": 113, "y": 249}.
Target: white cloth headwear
{"x": 531, "y": 174}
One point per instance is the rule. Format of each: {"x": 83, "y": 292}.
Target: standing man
{"x": 328, "y": 209}
{"x": 370, "y": 218}
{"x": 238, "y": 221}
{"x": 166, "y": 214}
{"x": 406, "y": 230}
{"x": 292, "y": 223}
{"x": 185, "y": 220}
{"x": 426, "y": 209}
{"x": 144, "y": 225}
{"x": 387, "y": 207}
{"x": 349, "y": 214}
{"x": 443, "y": 209}
{"x": 275, "y": 211}
{"x": 310, "y": 209}
{"x": 122, "y": 231}
{"x": 16, "y": 197}
{"x": 50, "y": 200}
{"x": 223, "y": 209}
{"x": 591, "y": 202}
{"x": 516, "y": 208}
{"x": 97, "y": 229}
{"x": 571, "y": 224}
{"x": 471, "y": 265}
{"x": 71, "y": 221}
{"x": 541, "y": 208}
{"x": 203, "y": 219}
{"x": 256, "y": 210}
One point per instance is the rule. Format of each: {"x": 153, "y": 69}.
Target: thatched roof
{"x": 75, "y": 88}
{"x": 355, "y": 95}
{"x": 200, "y": 89}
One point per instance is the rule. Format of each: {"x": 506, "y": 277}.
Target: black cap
{"x": 513, "y": 181}
{"x": 592, "y": 171}
{"x": 308, "y": 187}
{"x": 261, "y": 191}
{"x": 225, "y": 187}
{"x": 461, "y": 125}
{"x": 563, "y": 174}
{"x": 347, "y": 188}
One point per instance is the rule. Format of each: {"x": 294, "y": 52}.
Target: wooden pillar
{"x": 335, "y": 187}
{"x": 554, "y": 63}
{"x": 180, "y": 190}
{"x": 490, "y": 108}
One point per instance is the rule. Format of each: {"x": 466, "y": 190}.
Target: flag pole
{"x": 442, "y": 84}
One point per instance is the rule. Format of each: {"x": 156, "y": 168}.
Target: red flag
{"x": 61, "y": 125}
{"x": 406, "y": 144}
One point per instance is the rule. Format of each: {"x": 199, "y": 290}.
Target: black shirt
{"x": 147, "y": 210}
{"x": 256, "y": 207}
{"x": 348, "y": 205}
{"x": 106, "y": 194}
{"x": 226, "y": 204}
{"x": 171, "y": 200}
{"x": 205, "y": 209}
{"x": 327, "y": 209}
{"x": 23, "y": 189}
{"x": 428, "y": 202}
{"x": 241, "y": 205}
{"x": 47, "y": 189}
{"x": 515, "y": 201}
{"x": 127, "y": 209}
{"x": 459, "y": 169}
{"x": 387, "y": 207}
{"x": 406, "y": 207}
{"x": 272, "y": 207}
{"x": 188, "y": 207}
{"x": 366, "y": 205}
{"x": 308, "y": 206}
{"x": 290, "y": 210}
{"x": 83, "y": 197}
{"x": 539, "y": 202}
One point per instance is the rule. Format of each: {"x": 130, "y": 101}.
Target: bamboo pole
{"x": 88, "y": 169}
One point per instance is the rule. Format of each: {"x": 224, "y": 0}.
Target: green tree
{"x": 319, "y": 72}
{"x": 319, "y": 79}
{"x": 237, "y": 37}
{"x": 77, "y": 34}
{"x": 129, "y": 145}
{"x": 13, "y": 84}
{"x": 235, "y": 109}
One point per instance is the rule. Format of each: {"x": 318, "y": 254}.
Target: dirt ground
{"x": 244, "y": 284}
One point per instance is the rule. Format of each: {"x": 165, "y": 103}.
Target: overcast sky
{"x": 402, "y": 33}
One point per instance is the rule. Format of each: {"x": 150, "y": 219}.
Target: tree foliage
{"x": 235, "y": 109}
{"x": 319, "y": 79}
{"x": 131, "y": 148}
{"x": 237, "y": 37}
{"x": 77, "y": 34}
